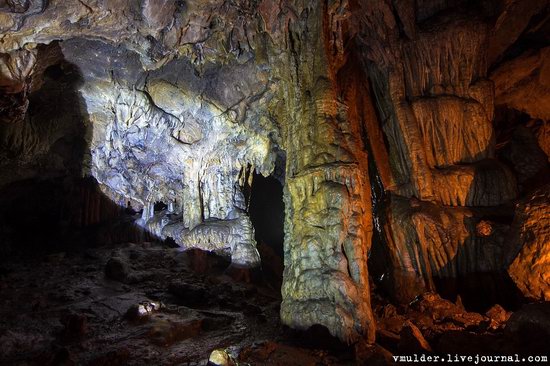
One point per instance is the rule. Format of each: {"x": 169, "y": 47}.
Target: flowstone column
{"x": 328, "y": 224}
{"x": 428, "y": 69}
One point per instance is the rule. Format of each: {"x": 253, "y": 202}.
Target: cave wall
{"x": 171, "y": 114}
{"x": 448, "y": 212}
{"x": 184, "y": 100}
{"x": 439, "y": 103}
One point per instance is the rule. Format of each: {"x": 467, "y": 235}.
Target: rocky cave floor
{"x": 148, "y": 304}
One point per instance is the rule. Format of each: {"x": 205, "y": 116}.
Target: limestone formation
{"x": 428, "y": 241}
{"x": 530, "y": 269}
{"x": 328, "y": 223}
{"x": 187, "y": 144}
{"x": 429, "y": 70}
{"x": 523, "y": 83}
{"x": 181, "y": 103}
{"x": 382, "y": 119}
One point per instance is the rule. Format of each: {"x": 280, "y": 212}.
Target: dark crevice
{"x": 267, "y": 215}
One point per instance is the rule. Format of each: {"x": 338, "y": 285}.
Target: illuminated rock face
{"x": 157, "y": 130}
{"x": 166, "y": 143}
{"x": 328, "y": 224}
{"x": 530, "y": 269}
{"x": 184, "y": 102}
{"x": 179, "y": 102}
{"x": 428, "y": 66}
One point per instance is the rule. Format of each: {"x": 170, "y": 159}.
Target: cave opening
{"x": 160, "y": 206}
{"x": 43, "y": 159}
{"x": 266, "y": 209}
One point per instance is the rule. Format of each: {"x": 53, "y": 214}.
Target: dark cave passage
{"x": 478, "y": 292}
{"x": 48, "y": 201}
{"x": 266, "y": 209}
{"x": 42, "y": 162}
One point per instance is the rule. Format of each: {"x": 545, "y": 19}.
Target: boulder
{"x": 117, "y": 269}
{"x": 220, "y": 357}
{"x": 530, "y": 327}
{"x": 498, "y": 315}
{"x": 412, "y": 340}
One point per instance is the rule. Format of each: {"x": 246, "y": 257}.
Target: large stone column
{"x": 328, "y": 223}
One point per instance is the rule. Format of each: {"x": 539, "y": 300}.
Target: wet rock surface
{"x": 530, "y": 269}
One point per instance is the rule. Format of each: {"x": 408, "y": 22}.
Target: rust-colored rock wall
{"x": 530, "y": 268}
{"x": 428, "y": 68}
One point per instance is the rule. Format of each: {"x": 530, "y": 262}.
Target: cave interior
{"x": 273, "y": 182}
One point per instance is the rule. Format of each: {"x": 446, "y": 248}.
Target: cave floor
{"x": 141, "y": 305}
{"x": 148, "y": 304}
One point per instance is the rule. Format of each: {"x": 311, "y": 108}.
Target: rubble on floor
{"x": 148, "y": 304}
